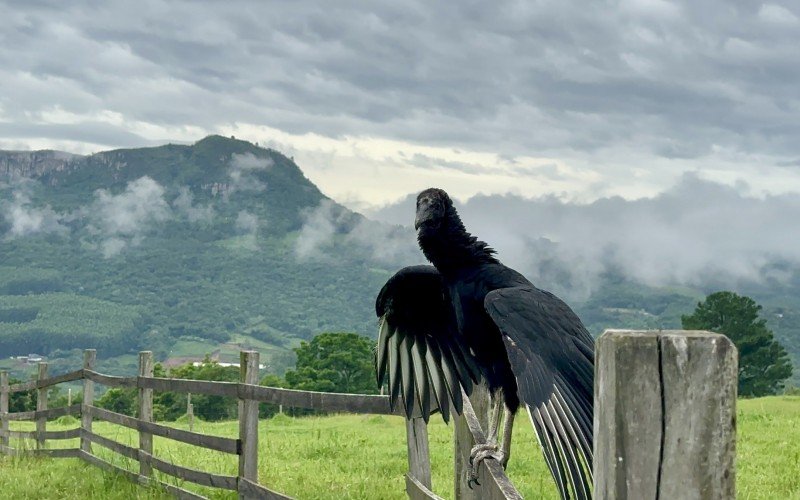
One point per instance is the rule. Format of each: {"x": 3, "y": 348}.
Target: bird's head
{"x": 432, "y": 207}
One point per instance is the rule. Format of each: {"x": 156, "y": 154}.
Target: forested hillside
{"x": 178, "y": 249}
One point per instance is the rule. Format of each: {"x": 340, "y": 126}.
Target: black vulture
{"x": 469, "y": 319}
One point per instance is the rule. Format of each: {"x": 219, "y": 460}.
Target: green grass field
{"x": 352, "y": 456}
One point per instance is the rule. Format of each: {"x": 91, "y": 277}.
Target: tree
{"x": 119, "y": 400}
{"x": 334, "y": 362}
{"x": 207, "y": 407}
{"x": 763, "y": 362}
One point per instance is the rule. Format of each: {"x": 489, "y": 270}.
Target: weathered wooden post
{"x": 248, "y": 421}
{"x": 190, "y": 411}
{"x": 419, "y": 459}
{"x": 89, "y": 356}
{"x": 463, "y": 442}
{"x": 4, "y": 441}
{"x": 41, "y": 405}
{"x": 665, "y": 415}
{"x": 145, "y": 415}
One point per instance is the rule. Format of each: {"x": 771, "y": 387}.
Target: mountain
{"x": 184, "y": 250}
{"x": 221, "y": 245}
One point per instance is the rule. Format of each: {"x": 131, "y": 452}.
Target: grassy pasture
{"x": 352, "y": 456}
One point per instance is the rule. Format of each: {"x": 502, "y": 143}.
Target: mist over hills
{"x": 188, "y": 249}
{"x": 644, "y": 263}
{"x": 179, "y": 249}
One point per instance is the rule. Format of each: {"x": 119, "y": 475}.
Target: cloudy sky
{"x": 578, "y": 100}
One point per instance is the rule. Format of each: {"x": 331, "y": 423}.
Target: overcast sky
{"x": 578, "y": 100}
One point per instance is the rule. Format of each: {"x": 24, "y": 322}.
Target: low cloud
{"x": 329, "y": 224}
{"x": 695, "y": 233}
{"x": 122, "y": 220}
{"x": 184, "y": 205}
{"x": 247, "y": 226}
{"x": 318, "y": 231}
{"x": 242, "y": 171}
{"x": 25, "y": 219}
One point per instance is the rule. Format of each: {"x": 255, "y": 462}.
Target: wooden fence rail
{"x": 647, "y": 385}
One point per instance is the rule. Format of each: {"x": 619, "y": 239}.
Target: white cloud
{"x": 247, "y": 222}
{"x": 124, "y": 219}
{"x": 24, "y": 218}
{"x": 242, "y": 173}
{"x": 327, "y": 224}
{"x": 696, "y": 233}
{"x": 318, "y": 231}
{"x": 776, "y": 14}
{"x": 184, "y": 205}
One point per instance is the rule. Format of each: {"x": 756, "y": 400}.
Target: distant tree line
{"x": 343, "y": 362}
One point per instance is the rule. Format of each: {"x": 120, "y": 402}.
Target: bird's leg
{"x": 490, "y": 449}
{"x": 494, "y": 425}
{"x": 505, "y": 449}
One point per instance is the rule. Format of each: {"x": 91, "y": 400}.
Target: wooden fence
{"x": 647, "y": 385}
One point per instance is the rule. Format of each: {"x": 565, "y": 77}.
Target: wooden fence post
{"x": 665, "y": 415}
{"x": 190, "y": 411}
{"x": 89, "y": 357}
{"x": 248, "y": 421}
{"x": 41, "y": 405}
{"x": 145, "y": 415}
{"x": 4, "y": 441}
{"x": 463, "y": 442}
{"x": 419, "y": 458}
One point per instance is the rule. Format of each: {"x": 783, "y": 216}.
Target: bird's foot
{"x": 481, "y": 452}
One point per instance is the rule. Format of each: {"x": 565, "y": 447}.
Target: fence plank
{"x": 145, "y": 412}
{"x": 113, "y": 417}
{"x": 4, "y": 408}
{"x": 218, "y": 443}
{"x": 248, "y": 421}
{"x": 255, "y": 490}
{"x": 46, "y": 414}
{"x": 46, "y": 382}
{"x": 54, "y": 453}
{"x": 41, "y": 405}
{"x": 325, "y": 401}
{"x": 22, "y": 387}
{"x": 228, "y": 389}
{"x": 417, "y": 491}
{"x": 187, "y": 474}
{"x": 110, "y": 380}
{"x": 419, "y": 461}
{"x": 665, "y": 415}
{"x": 122, "y": 449}
{"x": 89, "y": 357}
{"x": 68, "y": 434}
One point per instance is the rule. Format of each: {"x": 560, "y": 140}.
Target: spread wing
{"x": 418, "y": 349}
{"x": 552, "y": 357}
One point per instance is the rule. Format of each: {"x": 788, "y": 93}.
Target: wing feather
{"x": 418, "y": 348}
{"x": 552, "y": 358}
